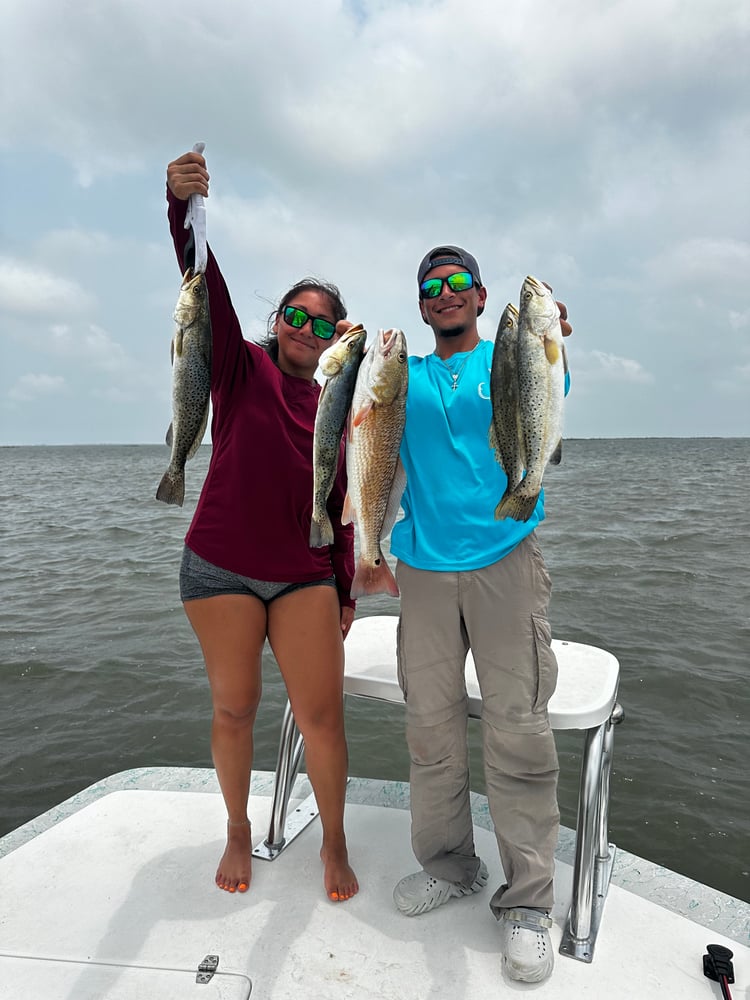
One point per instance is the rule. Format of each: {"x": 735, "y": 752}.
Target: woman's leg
{"x": 231, "y": 629}
{"x": 305, "y": 635}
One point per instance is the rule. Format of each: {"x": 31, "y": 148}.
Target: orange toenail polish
{"x": 242, "y": 887}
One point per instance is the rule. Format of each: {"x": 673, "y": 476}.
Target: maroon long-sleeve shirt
{"x": 254, "y": 512}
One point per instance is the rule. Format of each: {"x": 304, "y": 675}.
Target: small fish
{"x": 191, "y": 383}
{"x": 541, "y": 366}
{"x": 340, "y": 363}
{"x": 374, "y": 470}
{"x": 505, "y": 431}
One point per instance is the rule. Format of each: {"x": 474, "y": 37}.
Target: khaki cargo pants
{"x": 500, "y": 612}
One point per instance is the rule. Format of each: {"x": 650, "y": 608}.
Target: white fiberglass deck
{"x": 117, "y": 901}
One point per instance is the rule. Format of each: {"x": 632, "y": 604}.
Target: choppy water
{"x": 648, "y": 543}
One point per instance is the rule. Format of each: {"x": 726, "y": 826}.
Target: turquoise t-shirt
{"x": 453, "y": 481}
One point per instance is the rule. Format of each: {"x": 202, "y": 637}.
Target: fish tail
{"x": 517, "y": 504}
{"x": 172, "y": 488}
{"x": 556, "y": 456}
{"x": 321, "y": 532}
{"x": 373, "y": 579}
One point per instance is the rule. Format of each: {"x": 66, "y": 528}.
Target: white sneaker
{"x": 527, "y": 948}
{"x": 421, "y": 892}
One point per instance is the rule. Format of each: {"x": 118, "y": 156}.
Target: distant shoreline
{"x": 208, "y": 445}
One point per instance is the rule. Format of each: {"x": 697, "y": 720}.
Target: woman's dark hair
{"x": 270, "y": 342}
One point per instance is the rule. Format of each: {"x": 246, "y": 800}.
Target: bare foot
{"x": 234, "y": 871}
{"x": 338, "y": 877}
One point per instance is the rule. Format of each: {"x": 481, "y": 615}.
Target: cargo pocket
{"x": 546, "y": 663}
{"x": 399, "y": 668}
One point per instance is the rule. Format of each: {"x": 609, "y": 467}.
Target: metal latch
{"x": 206, "y": 969}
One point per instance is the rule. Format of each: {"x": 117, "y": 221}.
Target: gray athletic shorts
{"x": 199, "y": 578}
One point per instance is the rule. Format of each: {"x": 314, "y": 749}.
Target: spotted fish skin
{"x": 541, "y": 366}
{"x": 340, "y": 363}
{"x": 505, "y": 430}
{"x": 191, "y": 383}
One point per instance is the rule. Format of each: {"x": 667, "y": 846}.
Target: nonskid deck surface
{"x": 128, "y": 880}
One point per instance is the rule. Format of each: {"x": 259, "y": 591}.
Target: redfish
{"x": 374, "y": 470}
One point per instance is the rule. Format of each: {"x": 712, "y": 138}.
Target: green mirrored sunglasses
{"x": 461, "y": 281}
{"x": 297, "y": 318}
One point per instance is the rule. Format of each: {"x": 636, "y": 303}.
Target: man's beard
{"x": 454, "y": 331}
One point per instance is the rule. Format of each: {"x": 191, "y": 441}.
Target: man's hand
{"x": 565, "y": 326}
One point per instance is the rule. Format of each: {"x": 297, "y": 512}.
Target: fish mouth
{"x": 353, "y": 331}
{"x": 388, "y": 340}
{"x": 534, "y": 285}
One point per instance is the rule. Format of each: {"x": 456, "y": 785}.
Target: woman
{"x": 248, "y": 572}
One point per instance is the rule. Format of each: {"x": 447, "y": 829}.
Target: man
{"x": 469, "y": 581}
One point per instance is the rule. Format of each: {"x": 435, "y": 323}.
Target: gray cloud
{"x": 601, "y": 147}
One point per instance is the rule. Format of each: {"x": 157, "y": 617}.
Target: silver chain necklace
{"x": 455, "y": 376}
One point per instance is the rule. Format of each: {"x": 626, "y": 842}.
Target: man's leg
{"x": 432, "y": 646}
{"x": 505, "y": 608}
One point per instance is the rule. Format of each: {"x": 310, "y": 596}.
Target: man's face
{"x": 451, "y": 313}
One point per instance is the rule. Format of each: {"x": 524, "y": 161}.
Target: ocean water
{"x": 648, "y": 544}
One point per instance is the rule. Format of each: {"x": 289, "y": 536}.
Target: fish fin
{"x": 177, "y": 344}
{"x": 348, "y": 514}
{"x": 492, "y": 438}
{"x": 374, "y": 580}
{"x": 171, "y": 352}
{"x": 565, "y": 360}
{"x": 517, "y": 504}
{"x": 169, "y": 436}
{"x": 551, "y": 350}
{"x": 556, "y": 456}
{"x": 171, "y": 489}
{"x": 362, "y": 412}
{"x": 207, "y": 350}
{"x": 199, "y": 436}
{"x": 321, "y": 532}
{"x": 394, "y": 498}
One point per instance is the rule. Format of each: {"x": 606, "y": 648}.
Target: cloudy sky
{"x": 600, "y": 145}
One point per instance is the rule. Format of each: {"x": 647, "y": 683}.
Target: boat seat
{"x": 585, "y": 699}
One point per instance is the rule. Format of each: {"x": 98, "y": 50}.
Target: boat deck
{"x": 111, "y": 895}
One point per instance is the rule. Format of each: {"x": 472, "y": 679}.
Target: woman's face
{"x": 300, "y": 348}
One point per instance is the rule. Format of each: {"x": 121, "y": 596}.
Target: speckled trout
{"x": 541, "y": 365}
{"x": 505, "y": 430}
{"x": 340, "y": 363}
{"x": 374, "y": 470}
{"x": 191, "y": 383}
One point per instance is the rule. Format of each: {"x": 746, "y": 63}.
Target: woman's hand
{"x": 188, "y": 175}
{"x": 341, "y": 327}
{"x": 347, "y": 617}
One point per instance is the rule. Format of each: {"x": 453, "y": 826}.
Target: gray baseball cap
{"x": 448, "y": 255}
